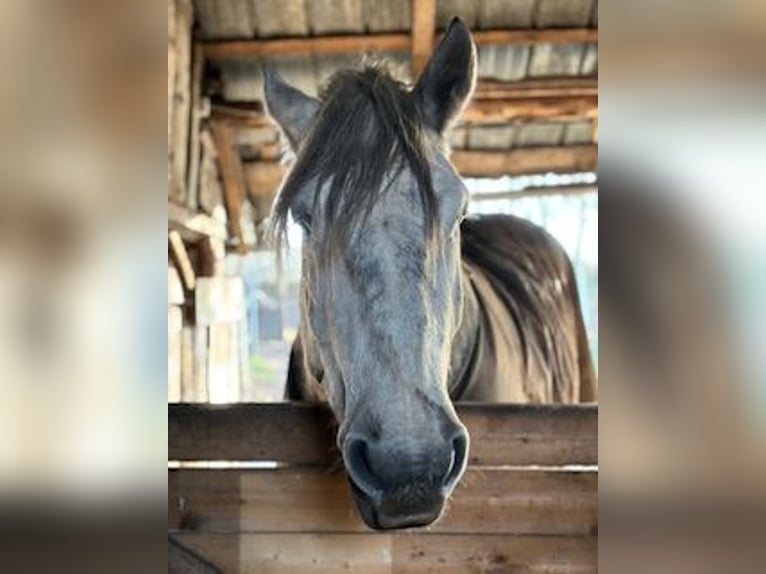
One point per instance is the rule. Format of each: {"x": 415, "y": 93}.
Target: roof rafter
{"x": 387, "y": 42}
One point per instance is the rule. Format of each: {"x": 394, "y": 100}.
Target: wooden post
{"x": 232, "y": 174}
{"x": 423, "y": 32}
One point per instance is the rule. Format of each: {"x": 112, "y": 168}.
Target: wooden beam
{"x": 537, "y": 36}
{"x": 388, "y": 42}
{"x": 550, "y": 87}
{"x": 318, "y": 45}
{"x": 423, "y": 33}
{"x": 493, "y": 102}
{"x": 492, "y": 163}
{"x": 242, "y": 115}
{"x": 266, "y": 176}
{"x": 232, "y": 175}
{"x": 546, "y": 435}
{"x": 197, "y": 112}
{"x": 553, "y": 191}
{"x": 300, "y": 499}
{"x": 193, "y": 225}
{"x": 181, "y": 256}
{"x": 500, "y": 111}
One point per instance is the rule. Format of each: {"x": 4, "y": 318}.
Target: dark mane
{"x": 368, "y": 128}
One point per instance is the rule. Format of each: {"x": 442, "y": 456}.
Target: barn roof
{"x": 535, "y": 109}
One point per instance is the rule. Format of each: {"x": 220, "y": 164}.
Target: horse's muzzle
{"x": 398, "y": 488}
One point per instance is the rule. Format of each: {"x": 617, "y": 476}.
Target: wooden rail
{"x": 550, "y": 435}
{"x": 300, "y": 517}
{"x": 318, "y": 553}
{"x": 487, "y": 501}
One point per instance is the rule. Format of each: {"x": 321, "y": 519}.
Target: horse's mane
{"x": 368, "y": 128}
{"x": 527, "y": 267}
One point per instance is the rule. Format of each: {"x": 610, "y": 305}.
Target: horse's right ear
{"x": 446, "y": 84}
{"x": 288, "y": 106}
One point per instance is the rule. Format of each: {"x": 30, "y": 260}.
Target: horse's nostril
{"x": 355, "y": 454}
{"x": 459, "y": 458}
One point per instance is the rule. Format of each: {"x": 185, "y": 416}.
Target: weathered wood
{"x": 197, "y": 113}
{"x": 233, "y": 176}
{"x": 387, "y": 42}
{"x": 219, "y": 300}
{"x": 493, "y": 102}
{"x": 546, "y": 435}
{"x": 502, "y": 110}
{"x": 223, "y": 370}
{"x": 176, "y": 294}
{"x": 423, "y": 33}
{"x": 182, "y": 560}
{"x": 487, "y": 501}
{"x": 193, "y": 226}
{"x": 181, "y": 99}
{"x": 210, "y": 189}
{"x": 483, "y": 163}
{"x": 553, "y": 87}
{"x": 182, "y": 259}
{"x": 200, "y": 364}
{"x": 188, "y": 391}
{"x": 559, "y": 191}
{"x": 175, "y": 322}
{"x": 395, "y": 553}
{"x": 264, "y": 177}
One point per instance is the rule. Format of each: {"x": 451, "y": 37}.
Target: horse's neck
{"x": 466, "y": 340}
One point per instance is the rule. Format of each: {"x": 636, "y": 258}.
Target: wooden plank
{"x": 395, "y": 553}
{"x": 219, "y": 300}
{"x": 182, "y": 259}
{"x": 487, "y": 501}
{"x": 547, "y": 435}
{"x": 198, "y": 111}
{"x": 264, "y": 177}
{"x": 223, "y": 364}
{"x": 193, "y": 225}
{"x": 181, "y": 560}
{"x": 233, "y": 176}
{"x": 446, "y": 554}
{"x": 200, "y": 364}
{"x": 387, "y": 42}
{"x": 176, "y": 294}
{"x": 175, "y": 321}
{"x": 210, "y": 189}
{"x": 553, "y": 191}
{"x": 493, "y": 102}
{"x": 181, "y": 99}
{"x": 499, "y": 111}
{"x": 525, "y": 160}
{"x": 423, "y": 33}
{"x": 188, "y": 390}
{"x": 553, "y": 87}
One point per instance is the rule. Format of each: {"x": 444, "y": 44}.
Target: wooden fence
{"x": 527, "y": 503}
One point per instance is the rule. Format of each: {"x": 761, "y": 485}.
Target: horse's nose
{"x": 383, "y": 464}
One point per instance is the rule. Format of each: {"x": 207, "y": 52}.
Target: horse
{"x": 407, "y": 304}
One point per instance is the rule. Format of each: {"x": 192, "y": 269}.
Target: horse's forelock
{"x": 368, "y": 128}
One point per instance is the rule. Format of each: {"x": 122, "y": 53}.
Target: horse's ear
{"x": 288, "y": 106}
{"x": 446, "y": 84}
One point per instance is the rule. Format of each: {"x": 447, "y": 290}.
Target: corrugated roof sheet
{"x": 241, "y": 77}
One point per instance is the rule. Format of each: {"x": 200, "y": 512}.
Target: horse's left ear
{"x": 446, "y": 84}
{"x": 288, "y": 106}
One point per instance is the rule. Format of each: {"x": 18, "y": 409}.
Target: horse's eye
{"x": 302, "y": 218}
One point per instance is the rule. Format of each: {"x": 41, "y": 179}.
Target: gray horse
{"x": 406, "y": 304}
